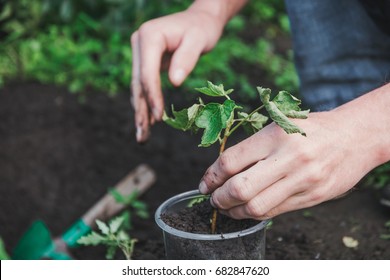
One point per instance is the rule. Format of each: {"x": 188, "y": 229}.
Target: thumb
{"x": 184, "y": 59}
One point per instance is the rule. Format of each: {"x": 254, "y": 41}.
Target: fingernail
{"x": 156, "y": 113}
{"x": 203, "y": 188}
{"x": 178, "y": 76}
{"x": 139, "y": 134}
{"x": 212, "y": 202}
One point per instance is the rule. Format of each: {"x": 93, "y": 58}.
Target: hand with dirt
{"x": 174, "y": 42}
{"x": 272, "y": 172}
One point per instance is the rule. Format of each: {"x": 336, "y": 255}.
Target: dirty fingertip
{"x": 203, "y": 189}
{"x": 212, "y": 202}
{"x": 138, "y": 134}
{"x": 141, "y": 135}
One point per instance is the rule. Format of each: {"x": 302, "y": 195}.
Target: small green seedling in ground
{"x": 219, "y": 120}
{"x": 307, "y": 214}
{"x": 133, "y": 204}
{"x": 114, "y": 234}
{"x": 3, "y": 253}
{"x": 386, "y": 236}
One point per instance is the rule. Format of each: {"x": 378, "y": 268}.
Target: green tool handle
{"x": 138, "y": 180}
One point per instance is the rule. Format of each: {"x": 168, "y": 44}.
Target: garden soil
{"x": 59, "y": 156}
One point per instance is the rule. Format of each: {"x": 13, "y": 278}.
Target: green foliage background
{"x": 85, "y": 44}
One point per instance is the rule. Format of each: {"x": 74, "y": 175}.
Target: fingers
{"x": 147, "y": 98}
{"x": 151, "y": 53}
{"x": 137, "y": 95}
{"x": 185, "y": 57}
{"x": 176, "y": 42}
{"x": 238, "y": 158}
{"x": 282, "y": 196}
{"x": 242, "y": 187}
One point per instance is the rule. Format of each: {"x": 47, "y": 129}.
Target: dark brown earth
{"x": 196, "y": 219}
{"x": 57, "y": 157}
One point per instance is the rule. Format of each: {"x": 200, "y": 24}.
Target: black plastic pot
{"x": 246, "y": 244}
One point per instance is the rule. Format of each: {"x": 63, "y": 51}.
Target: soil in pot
{"x": 230, "y": 242}
{"x": 196, "y": 219}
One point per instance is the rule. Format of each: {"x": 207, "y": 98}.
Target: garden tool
{"x": 37, "y": 242}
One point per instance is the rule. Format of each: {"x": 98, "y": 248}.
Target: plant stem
{"x": 228, "y": 131}
{"x": 243, "y": 120}
{"x": 221, "y": 149}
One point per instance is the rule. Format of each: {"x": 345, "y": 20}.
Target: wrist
{"x": 368, "y": 120}
{"x": 223, "y": 10}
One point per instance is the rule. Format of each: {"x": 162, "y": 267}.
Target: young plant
{"x": 113, "y": 235}
{"x": 220, "y": 120}
{"x": 133, "y": 205}
{"x": 386, "y": 236}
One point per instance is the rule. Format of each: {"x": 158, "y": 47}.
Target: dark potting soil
{"x": 196, "y": 219}
{"x": 58, "y": 157}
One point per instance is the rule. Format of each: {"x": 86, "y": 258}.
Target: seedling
{"x": 114, "y": 234}
{"x": 133, "y": 204}
{"x": 220, "y": 120}
{"x": 386, "y": 236}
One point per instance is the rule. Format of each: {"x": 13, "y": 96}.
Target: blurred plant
{"x": 386, "y": 236}
{"x": 379, "y": 177}
{"x": 84, "y": 44}
{"x": 307, "y": 214}
{"x": 3, "y": 252}
{"x": 114, "y": 234}
{"x": 133, "y": 203}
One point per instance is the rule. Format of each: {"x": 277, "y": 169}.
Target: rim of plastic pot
{"x": 199, "y": 236}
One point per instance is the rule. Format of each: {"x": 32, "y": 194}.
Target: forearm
{"x": 369, "y": 120}
{"x": 223, "y": 9}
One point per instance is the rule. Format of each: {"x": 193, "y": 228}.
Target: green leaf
{"x": 123, "y": 236}
{"x": 276, "y": 114}
{"x": 227, "y": 109}
{"x": 254, "y": 122}
{"x": 117, "y": 196}
{"x": 103, "y": 227}
{"x": 385, "y": 236}
{"x": 115, "y": 224}
{"x": 214, "y": 90}
{"x": 197, "y": 200}
{"x": 213, "y": 119}
{"x": 92, "y": 239}
{"x": 126, "y": 200}
{"x": 183, "y": 119}
{"x": 111, "y": 250}
{"x": 289, "y": 105}
{"x": 142, "y": 214}
{"x": 126, "y": 215}
{"x": 139, "y": 205}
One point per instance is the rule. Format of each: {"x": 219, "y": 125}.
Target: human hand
{"x": 271, "y": 172}
{"x": 174, "y": 42}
